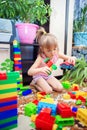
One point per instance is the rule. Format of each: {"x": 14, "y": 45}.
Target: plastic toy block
{"x": 8, "y": 114}
{"x": 82, "y": 115}
{"x": 46, "y": 60}
{"x": 66, "y": 65}
{"x": 18, "y": 65}
{"x": 4, "y": 126}
{"x": 3, "y": 76}
{"x": 8, "y": 90}
{"x": 46, "y": 110}
{"x": 35, "y": 102}
{"x": 8, "y": 103}
{"x": 33, "y": 117}
{"x": 81, "y": 98}
{"x": 8, "y": 99}
{"x": 64, "y": 121}
{"x": 73, "y": 96}
{"x": 74, "y": 109}
{"x": 10, "y": 127}
{"x": 64, "y": 110}
{"x": 8, "y": 119}
{"x": 49, "y": 63}
{"x": 17, "y": 62}
{"x": 78, "y": 102}
{"x": 40, "y": 95}
{"x": 8, "y": 107}
{"x": 48, "y": 100}
{"x": 44, "y": 121}
{"x": 11, "y": 78}
{"x": 30, "y": 109}
{"x": 81, "y": 93}
{"x": 17, "y": 56}
{"x": 59, "y": 128}
{"x": 7, "y": 86}
{"x": 86, "y": 102}
{"x": 66, "y": 96}
{"x": 47, "y": 105}
{"x": 75, "y": 87}
{"x": 66, "y": 84}
{"x": 16, "y": 50}
{"x": 48, "y": 96}
{"x": 17, "y": 69}
{"x": 55, "y": 127}
{"x": 26, "y": 92}
{"x": 3, "y": 96}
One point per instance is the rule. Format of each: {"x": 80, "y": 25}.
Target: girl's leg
{"x": 55, "y": 83}
{"x": 42, "y": 85}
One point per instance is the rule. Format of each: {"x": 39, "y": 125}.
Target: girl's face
{"x": 50, "y": 52}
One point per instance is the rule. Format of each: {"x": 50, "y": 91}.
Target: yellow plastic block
{"x": 40, "y": 96}
{"x": 66, "y": 96}
{"x": 82, "y": 115}
{"x": 17, "y": 58}
{"x": 48, "y": 100}
{"x": 33, "y": 117}
{"x": 6, "y": 86}
{"x": 2, "y": 96}
{"x": 54, "y": 127}
{"x": 81, "y": 93}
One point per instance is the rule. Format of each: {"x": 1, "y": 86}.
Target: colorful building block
{"x": 64, "y": 110}
{"x": 47, "y": 105}
{"x": 30, "y": 109}
{"x": 64, "y": 121}
{"x": 8, "y": 101}
{"x": 44, "y": 121}
{"x": 82, "y": 115}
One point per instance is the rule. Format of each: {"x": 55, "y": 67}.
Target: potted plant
{"x": 78, "y": 74}
{"x": 80, "y": 28}
{"x": 28, "y": 12}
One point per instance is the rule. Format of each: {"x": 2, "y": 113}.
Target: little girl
{"x": 48, "y": 48}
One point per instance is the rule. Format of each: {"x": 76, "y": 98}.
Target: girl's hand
{"x": 72, "y": 60}
{"x": 45, "y": 70}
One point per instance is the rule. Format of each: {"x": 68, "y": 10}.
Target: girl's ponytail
{"x": 40, "y": 32}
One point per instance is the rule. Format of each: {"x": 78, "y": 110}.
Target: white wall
{"x": 57, "y": 26}
{"x": 70, "y": 27}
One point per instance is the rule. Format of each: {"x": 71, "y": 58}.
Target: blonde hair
{"x": 45, "y": 40}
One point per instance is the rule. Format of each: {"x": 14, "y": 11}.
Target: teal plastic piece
{"x": 30, "y": 109}
{"x": 54, "y": 67}
{"x": 46, "y": 60}
{"x": 64, "y": 121}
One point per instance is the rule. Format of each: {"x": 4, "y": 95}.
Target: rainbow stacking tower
{"x": 8, "y": 100}
{"x": 17, "y": 62}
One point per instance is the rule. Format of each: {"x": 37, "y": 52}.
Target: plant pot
{"x": 27, "y": 32}
{"x": 80, "y": 38}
